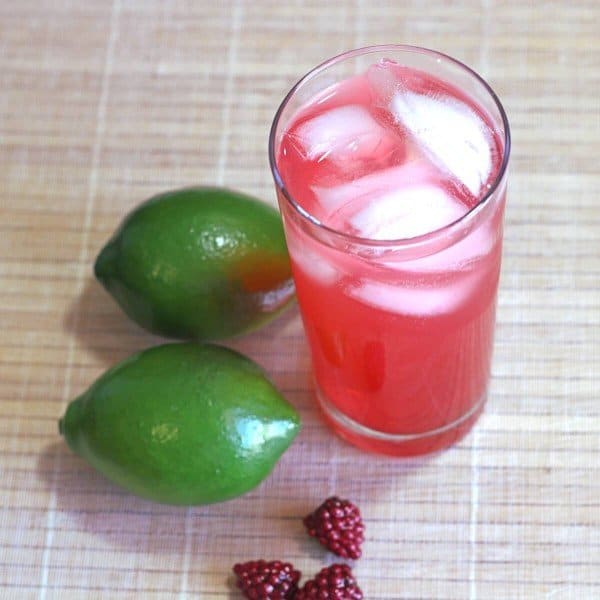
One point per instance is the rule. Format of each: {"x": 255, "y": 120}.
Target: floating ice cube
{"x": 343, "y": 135}
{"x": 406, "y": 213}
{"x": 314, "y": 265}
{"x": 450, "y": 133}
{"x": 384, "y": 80}
{"x": 371, "y": 186}
{"x": 418, "y": 301}
{"x": 402, "y": 202}
{"x": 459, "y": 256}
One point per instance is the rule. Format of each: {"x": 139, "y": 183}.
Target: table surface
{"x": 106, "y": 103}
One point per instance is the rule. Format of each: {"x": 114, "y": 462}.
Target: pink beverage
{"x": 391, "y": 184}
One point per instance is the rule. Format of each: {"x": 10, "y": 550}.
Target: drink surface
{"x": 398, "y": 346}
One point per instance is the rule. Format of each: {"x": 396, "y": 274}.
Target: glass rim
{"x": 418, "y": 240}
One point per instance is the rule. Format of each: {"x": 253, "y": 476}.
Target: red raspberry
{"x": 332, "y": 583}
{"x": 262, "y": 580}
{"x": 338, "y": 525}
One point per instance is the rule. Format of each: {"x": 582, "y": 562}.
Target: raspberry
{"x": 338, "y": 525}
{"x": 332, "y": 583}
{"x": 262, "y": 580}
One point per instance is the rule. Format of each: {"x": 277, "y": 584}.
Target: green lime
{"x": 182, "y": 424}
{"x": 198, "y": 263}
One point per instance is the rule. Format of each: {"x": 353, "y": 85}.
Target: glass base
{"x": 398, "y": 444}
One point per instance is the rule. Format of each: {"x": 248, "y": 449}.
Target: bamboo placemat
{"x": 103, "y": 104}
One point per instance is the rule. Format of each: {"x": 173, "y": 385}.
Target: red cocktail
{"x": 390, "y": 166}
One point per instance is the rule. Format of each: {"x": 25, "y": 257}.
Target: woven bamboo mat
{"x": 103, "y": 104}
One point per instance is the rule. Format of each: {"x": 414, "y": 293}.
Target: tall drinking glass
{"x": 390, "y": 166}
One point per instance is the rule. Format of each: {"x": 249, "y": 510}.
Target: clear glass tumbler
{"x": 400, "y": 330}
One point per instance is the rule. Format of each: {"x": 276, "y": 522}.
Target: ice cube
{"x": 417, "y": 301}
{"x": 451, "y": 133}
{"x": 384, "y": 80}
{"x": 385, "y": 181}
{"x": 402, "y": 202}
{"x": 305, "y": 257}
{"x": 406, "y": 213}
{"x": 343, "y": 135}
{"x": 461, "y": 255}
